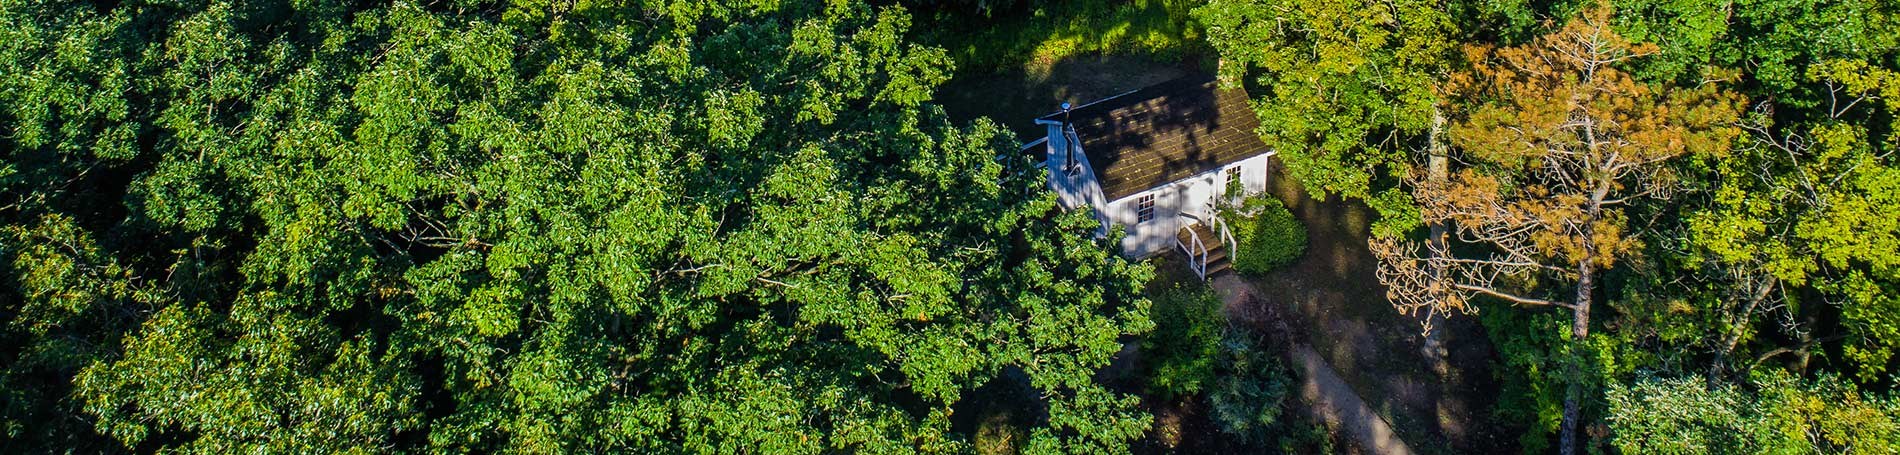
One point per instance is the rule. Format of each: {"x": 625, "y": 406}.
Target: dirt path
{"x": 1329, "y": 398}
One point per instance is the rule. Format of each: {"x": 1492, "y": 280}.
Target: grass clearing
{"x": 1034, "y": 36}
{"x": 1020, "y": 63}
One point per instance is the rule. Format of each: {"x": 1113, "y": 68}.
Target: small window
{"x": 1233, "y": 177}
{"x": 1145, "y": 208}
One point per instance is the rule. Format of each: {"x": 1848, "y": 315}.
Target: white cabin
{"x": 1155, "y": 160}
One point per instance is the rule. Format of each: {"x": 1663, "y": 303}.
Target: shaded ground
{"x": 1015, "y": 98}
{"x": 1322, "y": 394}
{"x": 1437, "y": 395}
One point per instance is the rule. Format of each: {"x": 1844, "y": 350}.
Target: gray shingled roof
{"x": 1165, "y": 132}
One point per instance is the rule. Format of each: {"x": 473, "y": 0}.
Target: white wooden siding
{"x": 1190, "y": 195}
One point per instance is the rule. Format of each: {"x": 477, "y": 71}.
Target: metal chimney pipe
{"x": 1068, "y": 133}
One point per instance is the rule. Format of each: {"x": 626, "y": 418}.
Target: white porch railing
{"x": 1195, "y": 249}
{"x": 1226, "y": 236}
{"x": 1220, "y": 226}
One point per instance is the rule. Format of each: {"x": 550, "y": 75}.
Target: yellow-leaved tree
{"x": 1551, "y": 142}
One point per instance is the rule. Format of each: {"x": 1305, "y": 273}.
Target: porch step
{"x": 1217, "y": 260}
{"x": 1215, "y": 254}
{"x": 1208, "y": 236}
{"x": 1215, "y": 268}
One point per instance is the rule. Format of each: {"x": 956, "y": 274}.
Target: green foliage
{"x": 1852, "y": 229}
{"x": 1813, "y": 210}
{"x": 1535, "y": 356}
{"x": 1194, "y": 350}
{"x": 1343, "y": 87}
{"x": 1775, "y": 40}
{"x": 1268, "y": 235}
{"x": 671, "y": 227}
{"x": 1749, "y": 266}
{"x": 1530, "y": 372}
{"x": 1250, "y": 390}
{"x": 1681, "y": 416}
{"x": 738, "y": 226}
{"x": 1517, "y": 21}
{"x": 69, "y": 311}
{"x": 985, "y": 7}
{"x": 1774, "y": 413}
{"x": 1185, "y": 349}
{"x": 1793, "y": 218}
{"x": 1398, "y": 214}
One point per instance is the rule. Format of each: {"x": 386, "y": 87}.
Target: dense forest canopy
{"x": 743, "y": 226}
{"x": 475, "y": 226}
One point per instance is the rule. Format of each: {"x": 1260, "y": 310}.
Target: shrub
{"x": 1248, "y": 399}
{"x": 1268, "y": 235}
{"x": 1185, "y": 344}
{"x": 1249, "y": 388}
{"x": 1773, "y": 412}
{"x": 1194, "y": 351}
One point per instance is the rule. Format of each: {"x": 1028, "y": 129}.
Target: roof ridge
{"x": 1118, "y": 95}
{"x": 1183, "y": 79}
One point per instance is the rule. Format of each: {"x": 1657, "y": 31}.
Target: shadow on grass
{"x": 1014, "y": 99}
{"x": 1018, "y": 64}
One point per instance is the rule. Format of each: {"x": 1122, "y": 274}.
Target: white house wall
{"x": 1253, "y": 174}
{"x": 1190, "y": 194}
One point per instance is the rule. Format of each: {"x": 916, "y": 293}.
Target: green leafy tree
{"x": 1811, "y": 210}
{"x": 1344, "y": 88}
{"x": 1775, "y": 40}
{"x": 1185, "y": 348}
{"x": 1773, "y": 413}
{"x": 1248, "y": 395}
{"x": 541, "y": 227}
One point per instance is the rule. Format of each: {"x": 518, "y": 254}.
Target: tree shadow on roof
{"x": 1014, "y": 99}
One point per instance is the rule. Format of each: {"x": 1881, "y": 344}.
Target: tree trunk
{"x": 1738, "y": 324}
{"x": 1437, "y": 175}
{"x": 1807, "y": 341}
{"x": 1437, "y": 168}
{"x": 1579, "y": 330}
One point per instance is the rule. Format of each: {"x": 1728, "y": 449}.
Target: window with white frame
{"x": 1233, "y": 178}
{"x": 1145, "y": 208}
